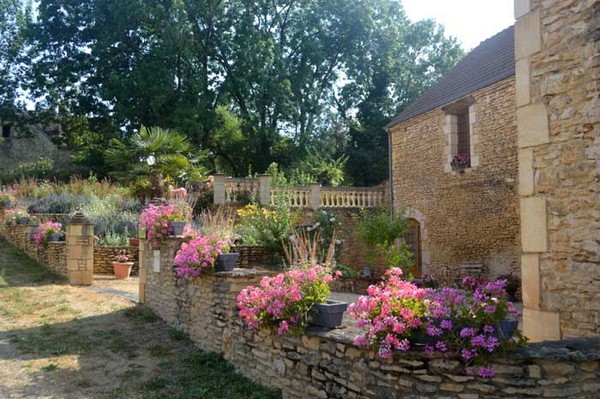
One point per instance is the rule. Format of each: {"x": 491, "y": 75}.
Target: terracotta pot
{"x": 134, "y": 242}
{"x": 122, "y": 269}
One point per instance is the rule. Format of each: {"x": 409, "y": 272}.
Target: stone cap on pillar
{"x": 158, "y": 201}
{"x": 79, "y": 218}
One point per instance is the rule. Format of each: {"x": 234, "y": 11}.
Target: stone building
{"x": 26, "y": 143}
{"x": 558, "y": 117}
{"x": 520, "y": 125}
{"x": 454, "y": 164}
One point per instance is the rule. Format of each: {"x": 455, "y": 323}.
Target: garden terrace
{"x": 328, "y": 365}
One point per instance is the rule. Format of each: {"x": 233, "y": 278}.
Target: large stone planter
{"x": 327, "y": 315}
{"x": 226, "y": 262}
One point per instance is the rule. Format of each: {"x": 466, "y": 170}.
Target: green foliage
{"x": 250, "y": 83}
{"x": 40, "y": 169}
{"x": 153, "y": 158}
{"x": 379, "y": 230}
{"x": 268, "y": 227}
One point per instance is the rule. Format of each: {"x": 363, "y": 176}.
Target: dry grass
{"x": 59, "y": 341}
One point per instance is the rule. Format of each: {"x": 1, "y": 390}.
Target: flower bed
{"x": 155, "y": 220}
{"x": 398, "y": 316}
{"x": 199, "y": 255}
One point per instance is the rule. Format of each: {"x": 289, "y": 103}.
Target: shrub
{"x": 57, "y": 203}
{"x": 40, "y": 169}
{"x": 268, "y": 227}
{"x": 282, "y": 302}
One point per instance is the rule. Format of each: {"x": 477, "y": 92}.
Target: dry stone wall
{"x": 104, "y": 256}
{"x": 470, "y": 216}
{"x": 327, "y": 365}
{"x": 53, "y": 256}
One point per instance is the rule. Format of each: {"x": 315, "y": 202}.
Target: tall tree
{"x": 287, "y": 71}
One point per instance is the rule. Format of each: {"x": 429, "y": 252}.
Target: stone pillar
{"x": 315, "y": 196}
{"x": 219, "y": 188}
{"x": 80, "y": 250}
{"x": 532, "y": 129}
{"x": 264, "y": 189}
{"x": 143, "y": 272}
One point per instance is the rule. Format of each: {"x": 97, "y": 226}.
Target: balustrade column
{"x": 264, "y": 189}
{"x": 315, "y": 196}
{"x": 219, "y": 188}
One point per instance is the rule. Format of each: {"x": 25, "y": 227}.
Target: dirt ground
{"x": 62, "y": 341}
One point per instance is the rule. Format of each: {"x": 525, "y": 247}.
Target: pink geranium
{"x": 198, "y": 255}
{"x": 155, "y": 219}
{"x": 282, "y": 303}
{"x": 44, "y": 230}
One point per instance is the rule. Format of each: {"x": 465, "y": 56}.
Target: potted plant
{"x": 122, "y": 265}
{"x": 461, "y": 162}
{"x": 16, "y": 215}
{"x": 46, "y": 232}
{"x": 283, "y": 304}
{"x": 155, "y": 220}
{"x": 7, "y": 199}
{"x": 198, "y": 255}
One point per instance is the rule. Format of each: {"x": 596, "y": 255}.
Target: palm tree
{"x": 153, "y": 158}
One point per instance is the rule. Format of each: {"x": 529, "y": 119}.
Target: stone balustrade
{"x": 327, "y": 364}
{"x": 229, "y": 190}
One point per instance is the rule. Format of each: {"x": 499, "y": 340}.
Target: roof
{"x": 490, "y": 62}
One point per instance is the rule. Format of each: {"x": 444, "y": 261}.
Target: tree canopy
{"x": 250, "y": 81}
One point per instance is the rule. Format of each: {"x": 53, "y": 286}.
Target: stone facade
{"x": 328, "y": 365}
{"x": 556, "y": 48}
{"x": 104, "y": 256}
{"x": 471, "y": 215}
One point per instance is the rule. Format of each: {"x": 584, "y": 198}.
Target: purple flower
{"x": 467, "y": 332}
{"x": 385, "y": 352}
{"x": 429, "y": 350}
{"x": 404, "y": 345}
{"x": 488, "y": 329}
{"x": 490, "y": 309}
{"x": 446, "y": 324}
{"x": 433, "y": 331}
{"x": 441, "y": 346}
{"x": 468, "y": 354}
{"x": 485, "y": 372}
{"x": 492, "y": 343}
{"x": 478, "y": 340}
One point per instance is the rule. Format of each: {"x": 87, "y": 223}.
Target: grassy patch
{"x": 95, "y": 342}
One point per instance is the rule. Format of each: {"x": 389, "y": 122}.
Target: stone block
{"x": 530, "y": 280}
{"x": 532, "y": 125}
{"x": 526, "y": 175}
{"x": 521, "y": 8}
{"x": 539, "y": 325}
{"x": 528, "y": 35}
{"x": 523, "y": 79}
{"x": 534, "y": 234}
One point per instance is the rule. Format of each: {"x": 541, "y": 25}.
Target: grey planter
{"x": 54, "y": 237}
{"x": 23, "y": 220}
{"x": 226, "y": 262}
{"x": 328, "y": 315}
{"x": 507, "y": 328}
{"x": 176, "y": 228}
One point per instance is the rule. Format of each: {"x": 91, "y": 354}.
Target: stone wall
{"x": 252, "y": 256}
{"x": 471, "y": 215}
{"x": 557, "y": 64}
{"x": 104, "y": 256}
{"x": 52, "y": 256}
{"x": 328, "y": 365}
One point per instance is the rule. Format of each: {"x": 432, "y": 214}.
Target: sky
{"x": 470, "y": 21}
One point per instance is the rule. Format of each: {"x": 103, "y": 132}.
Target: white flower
{"x": 332, "y": 220}
{"x": 338, "y": 242}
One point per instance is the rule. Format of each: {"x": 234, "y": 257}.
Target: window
{"x": 461, "y": 140}
{"x": 5, "y": 131}
{"x": 462, "y": 158}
